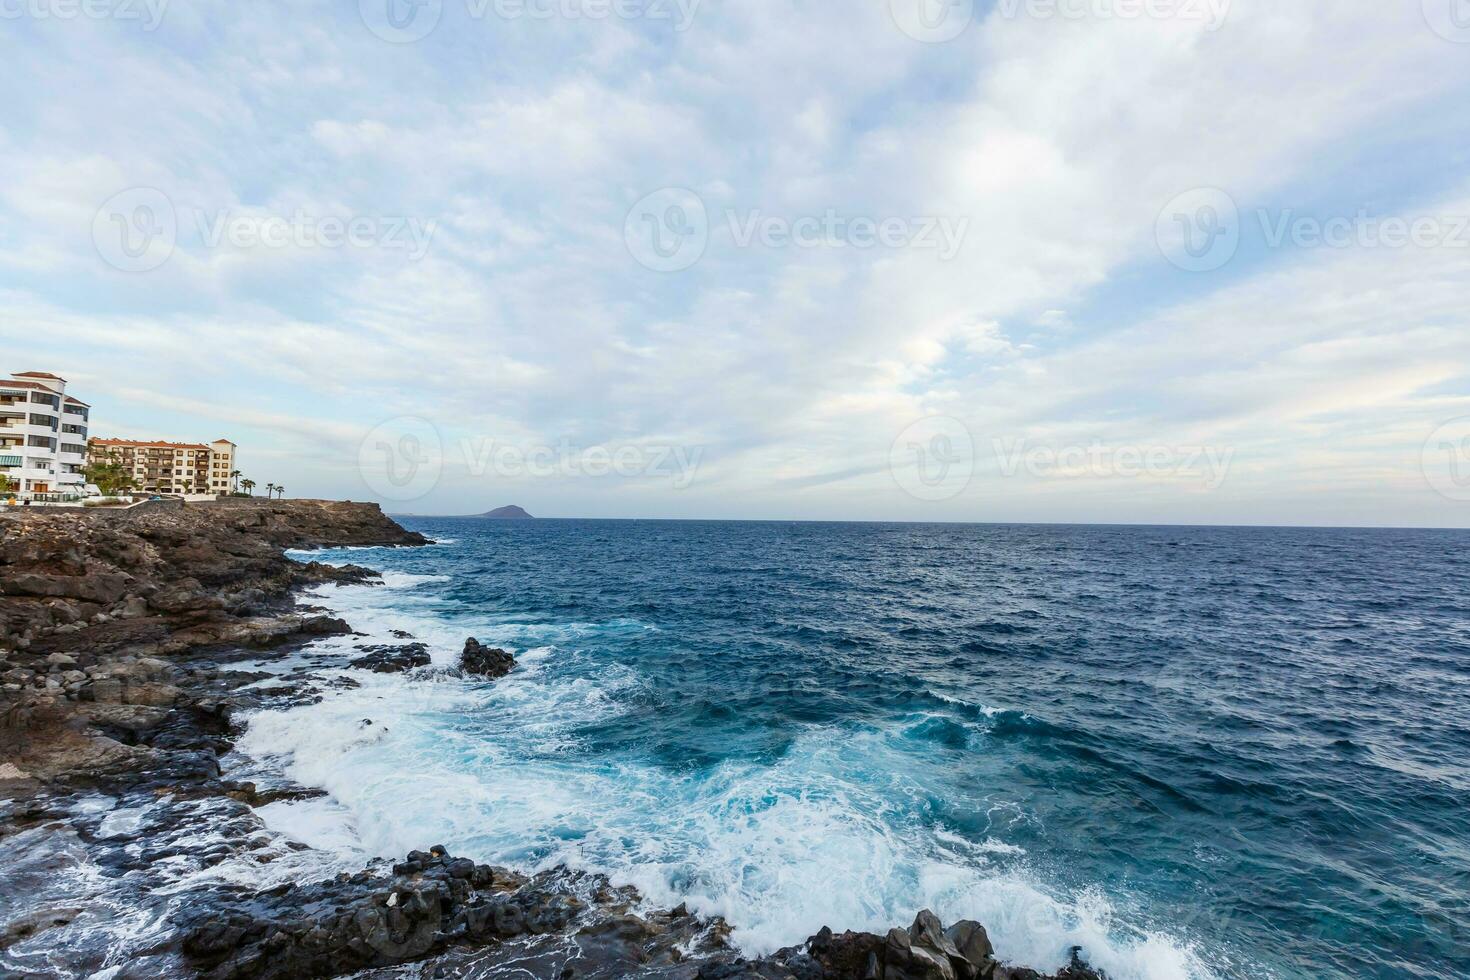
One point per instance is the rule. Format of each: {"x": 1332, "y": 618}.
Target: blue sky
{"x": 1028, "y": 342}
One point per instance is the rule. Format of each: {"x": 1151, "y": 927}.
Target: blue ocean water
{"x": 1195, "y": 752}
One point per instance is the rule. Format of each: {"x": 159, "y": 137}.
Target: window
{"x": 41, "y": 442}
{"x": 71, "y": 447}
{"x": 39, "y": 399}
{"x": 45, "y": 420}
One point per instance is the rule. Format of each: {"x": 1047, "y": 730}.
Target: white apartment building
{"x": 43, "y": 434}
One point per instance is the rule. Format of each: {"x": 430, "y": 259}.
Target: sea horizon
{"x": 939, "y": 523}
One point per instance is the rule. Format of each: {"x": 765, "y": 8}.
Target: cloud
{"x": 1055, "y": 142}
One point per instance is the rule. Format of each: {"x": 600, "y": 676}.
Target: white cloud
{"x": 525, "y": 144}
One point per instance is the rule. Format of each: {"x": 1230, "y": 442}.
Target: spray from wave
{"x": 832, "y": 832}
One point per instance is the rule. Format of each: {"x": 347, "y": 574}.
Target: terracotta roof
{"x": 25, "y": 384}
{"x": 38, "y": 374}
{"x": 76, "y": 401}
{"x": 146, "y": 444}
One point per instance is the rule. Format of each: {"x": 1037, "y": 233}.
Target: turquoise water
{"x": 1194, "y": 752}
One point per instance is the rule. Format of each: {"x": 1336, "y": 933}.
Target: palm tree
{"x": 280, "y": 491}
{"x": 235, "y": 480}
{"x": 248, "y": 485}
{"x": 270, "y": 488}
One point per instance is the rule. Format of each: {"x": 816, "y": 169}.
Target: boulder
{"x": 483, "y": 661}
{"x": 325, "y": 626}
{"x": 971, "y": 940}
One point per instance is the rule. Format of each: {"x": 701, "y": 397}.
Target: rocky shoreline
{"x": 125, "y": 643}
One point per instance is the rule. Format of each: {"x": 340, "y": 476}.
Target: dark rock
{"x": 392, "y": 659}
{"x": 971, "y": 940}
{"x": 484, "y": 661}
{"x": 325, "y": 626}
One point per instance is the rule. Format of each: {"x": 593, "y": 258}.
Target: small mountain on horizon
{"x": 508, "y": 513}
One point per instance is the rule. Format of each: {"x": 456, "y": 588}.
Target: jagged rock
{"x": 392, "y": 659}
{"x": 325, "y": 626}
{"x": 484, "y": 661}
{"x": 971, "y": 940}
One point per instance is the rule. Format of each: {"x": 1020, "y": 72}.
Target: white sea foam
{"x": 824, "y": 836}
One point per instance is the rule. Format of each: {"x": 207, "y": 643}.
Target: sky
{"x": 1123, "y": 261}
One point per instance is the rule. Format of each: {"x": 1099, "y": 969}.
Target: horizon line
{"x": 954, "y": 523}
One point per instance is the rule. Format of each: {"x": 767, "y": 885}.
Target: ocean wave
{"x": 823, "y": 835}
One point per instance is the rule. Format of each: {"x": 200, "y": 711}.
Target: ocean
{"x": 1194, "y": 752}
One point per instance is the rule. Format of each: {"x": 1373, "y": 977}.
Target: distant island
{"x": 510, "y": 513}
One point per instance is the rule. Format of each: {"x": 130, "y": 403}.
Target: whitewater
{"x": 623, "y": 745}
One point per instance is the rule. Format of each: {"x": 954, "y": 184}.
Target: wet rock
{"x": 392, "y": 659}
{"x": 483, "y": 661}
{"x": 971, "y": 940}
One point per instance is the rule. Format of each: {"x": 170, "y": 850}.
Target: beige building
{"x": 171, "y": 467}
